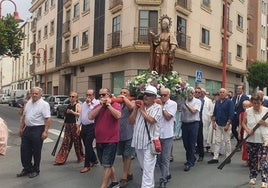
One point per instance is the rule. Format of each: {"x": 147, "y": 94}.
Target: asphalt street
{"x": 202, "y": 175}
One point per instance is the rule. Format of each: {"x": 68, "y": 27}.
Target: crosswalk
{"x": 55, "y": 132}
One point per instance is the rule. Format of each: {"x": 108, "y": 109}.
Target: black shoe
{"x": 162, "y": 184}
{"x": 114, "y": 185}
{"x": 213, "y": 161}
{"x": 168, "y": 177}
{"x": 23, "y": 173}
{"x": 187, "y": 168}
{"x": 200, "y": 159}
{"x": 33, "y": 174}
{"x": 129, "y": 177}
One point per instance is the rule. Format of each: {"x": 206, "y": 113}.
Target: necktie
{"x": 237, "y": 99}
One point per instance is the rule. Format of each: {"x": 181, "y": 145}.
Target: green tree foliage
{"x": 10, "y": 37}
{"x": 258, "y": 74}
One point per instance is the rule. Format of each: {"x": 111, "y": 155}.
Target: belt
{"x": 88, "y": 124}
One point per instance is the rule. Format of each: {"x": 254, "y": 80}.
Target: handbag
{"x": 155, "y": 144}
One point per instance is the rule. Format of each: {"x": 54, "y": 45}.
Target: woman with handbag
{"x": 146, "y": 114}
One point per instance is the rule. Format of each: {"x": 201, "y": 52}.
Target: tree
{"x": 258, "y": 74}
{"x": 10, "y": 37}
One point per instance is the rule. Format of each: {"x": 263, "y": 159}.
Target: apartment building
{"x": 103, "y": 43}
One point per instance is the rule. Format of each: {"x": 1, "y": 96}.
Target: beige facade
{"x": 105, "y": 49}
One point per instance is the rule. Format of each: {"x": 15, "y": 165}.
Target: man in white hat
{"x": 150, "y": 112}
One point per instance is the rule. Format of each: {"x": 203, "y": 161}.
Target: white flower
{"x": 154, "y": 73}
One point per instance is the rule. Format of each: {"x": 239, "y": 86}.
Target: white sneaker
{"x": 252, "y": 181}
{"x": 264, "y": 185}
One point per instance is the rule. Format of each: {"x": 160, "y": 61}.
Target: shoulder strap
{"x": 147, "y": 129}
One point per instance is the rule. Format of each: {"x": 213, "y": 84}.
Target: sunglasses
{"x": 164, "y": 95}
{"x": 88, "y": 95}
{"x": 72, "y": 96}
{"x": 148, "y": 94}
{"x": 102, "y": 94}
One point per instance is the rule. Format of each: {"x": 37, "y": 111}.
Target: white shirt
{"x": 186, "y": 115}
{"x": 86, "y": 109}
{"x": 207, "y": 111}
{"x": 36, "y": 112}
{"x": 166, "y": 126}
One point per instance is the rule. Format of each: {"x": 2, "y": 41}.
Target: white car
{"x": 4, "y": 98}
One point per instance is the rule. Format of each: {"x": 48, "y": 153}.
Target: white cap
{"x": 150, "y": 89}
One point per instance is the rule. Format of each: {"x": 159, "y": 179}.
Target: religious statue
{"x": 163, "y": 46}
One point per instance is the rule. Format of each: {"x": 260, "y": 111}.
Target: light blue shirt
{"x": 86, "y": 109}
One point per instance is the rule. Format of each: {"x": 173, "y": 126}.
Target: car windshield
{"x": 60, "y": 99}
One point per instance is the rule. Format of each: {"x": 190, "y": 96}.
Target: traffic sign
{"x": 198, "y": 76}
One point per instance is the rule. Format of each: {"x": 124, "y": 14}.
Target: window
{"x": 117, "y": 82}
{"x": 39, "y": 35}
{"x": 85, "y": 5}
{"x": 75, "y": 42}
{"x": 116, "y": 24}
{"x": 239, "y": 51}
{"x": 212, "y": 86}
{"x": 39, "y": 12}
{"x": 51, "y": 53}
{"x": 181, "y": 36}
{"x": 206, "y": 3}
{"x": 46, "y": 6}
{"x": 263, "y": 31}
{"x": 45, "y": 30}
{"x": 205, "y": 36}
{"x": 85, "y": 38}
{"x": 240, "y": 21}
{"x": 76, "y": 10}
{"x": 52, "y": 27}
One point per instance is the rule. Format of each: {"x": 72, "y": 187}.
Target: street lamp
{"x": 45, "y": 62}
{"x": 224, "y": 55}
{"x": 16, "y": 13}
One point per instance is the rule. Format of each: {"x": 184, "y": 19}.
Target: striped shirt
{"x": 140, "y": 138}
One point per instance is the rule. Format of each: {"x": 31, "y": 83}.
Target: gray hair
{"x": 37, "y": 88}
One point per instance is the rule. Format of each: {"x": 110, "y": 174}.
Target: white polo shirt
{"x": 36, "y": 112}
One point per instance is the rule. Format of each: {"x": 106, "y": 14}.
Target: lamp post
{"x": 16, "y": 13}
{"x": 45, "y": 62}
{"x": 224, "y": 55}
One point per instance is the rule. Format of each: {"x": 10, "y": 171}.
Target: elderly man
{"x": 169, "y": 108}
{"x": 107, "y": 116}
{"x": 190, "y": 124}
{"x": 221, "y": 121}
{"x": 33, "y": 130}
{"x": 150, "y": 113}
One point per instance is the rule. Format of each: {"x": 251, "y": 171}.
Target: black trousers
{"x": 31, "y": 146}
{"x": 87, "y": 134}
{"x": 200, "y": 140}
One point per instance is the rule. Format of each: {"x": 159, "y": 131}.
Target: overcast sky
{"x": 23, "y": 7}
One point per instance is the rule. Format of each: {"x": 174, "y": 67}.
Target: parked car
{"x": 54, "y": 101}
{"x": 45, "y": 96}
{"x": 4, "y": 98}
{"x": 61, "y": 109}
{"x": 15, "y": 102}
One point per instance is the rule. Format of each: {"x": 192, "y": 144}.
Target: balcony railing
{"x": 141, "y": 35}
{"x": 115, "y": 5}
{"x": 33, "y": 47}
{"x": 229, "y": 58}
{"x": 32, "y": 68}
{"x": 249, "y": 39}
{"x": 184, "y": 41}
{"x": 114, "y": 40}
{"x": 65, "y": 57}
{"x": 34, "y": 25}
{"x": 229, "y": 25}
{"x": 66, "y": 29}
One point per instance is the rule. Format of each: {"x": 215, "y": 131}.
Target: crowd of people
{"x": 127, "y": 127}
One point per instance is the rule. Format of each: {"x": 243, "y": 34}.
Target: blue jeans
{"x": 177, "y": 125}
{"x": 189, "y": 137}
{"x": 106, "y": 153}
{"x": 164, "y": 158}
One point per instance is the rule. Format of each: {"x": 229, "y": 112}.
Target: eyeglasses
{"x": 72, "y": 96}
{"x": 89, "y": 95}
{"x": 102, "y": 94}
{"x": 164, "y": 95}
{"x": 149, "y": 94}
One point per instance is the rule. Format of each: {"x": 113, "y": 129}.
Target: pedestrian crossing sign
{"x": 198, "y": 76}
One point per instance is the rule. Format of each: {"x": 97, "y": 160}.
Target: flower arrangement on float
{"x": 179, "y": 88}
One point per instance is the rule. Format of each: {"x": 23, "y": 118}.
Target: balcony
{"x": 229, "y": 58}
{"x": 32, "y": 69}
{"x": 115, "y": 6}
{"x": 34, "y": 25}
{"x": 149, "y": 2}
{"x": 114, "y": 40}
{"x": 249, "y": 39}
{"x": 67, "y": 3}
{"x": 33, "y": 47}
{"x": 229, "y": 27}
{"x": 66, "y": 29}
{"x": 65, "y": 57}
{"x": 141, "y": 35}
{"x": 184, "y": 41}
{"x": 250, "y": 14}
{"x": 184, "y": 7}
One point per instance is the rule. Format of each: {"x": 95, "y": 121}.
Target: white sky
{"x": 23, "y": 7}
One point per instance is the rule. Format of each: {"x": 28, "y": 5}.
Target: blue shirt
{"x": 223, "y": 111}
